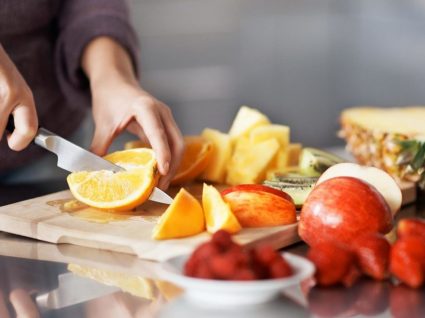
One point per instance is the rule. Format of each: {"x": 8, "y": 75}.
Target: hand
{"x": 118, "y": 105}
{"x": 22, "y": 304}
{"x": 16, "y": 98}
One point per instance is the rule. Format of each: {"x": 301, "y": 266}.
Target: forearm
{"x": 105, "y": 59}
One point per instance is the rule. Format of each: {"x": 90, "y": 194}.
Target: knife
{"x": 72, "y": 290}
{"x": 74, "y": 158}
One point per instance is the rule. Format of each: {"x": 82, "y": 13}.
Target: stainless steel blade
{"x": 72, "y": 290}
{"x": 74, "y": 158}
{"x": 70, "y": 156}
{"x": 160, "y": 196}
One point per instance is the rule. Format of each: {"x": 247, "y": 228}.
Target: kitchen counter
{"x": 30, "y": 268}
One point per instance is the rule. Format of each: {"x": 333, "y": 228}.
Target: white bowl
{"x": 210, "y": 292}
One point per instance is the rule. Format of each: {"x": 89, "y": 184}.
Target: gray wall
{"x": 299, "y": 61}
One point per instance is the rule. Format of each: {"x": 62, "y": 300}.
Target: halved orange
{"x": 118, "y": 191}
{"x": 184, "y": 217}
{"x": 196, "y": 157}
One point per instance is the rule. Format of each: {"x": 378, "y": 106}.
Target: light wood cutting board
{"x": 38, "y": 218}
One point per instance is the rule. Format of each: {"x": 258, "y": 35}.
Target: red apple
{"x": 341, "y": 209}
{"x": 258, "y": 205}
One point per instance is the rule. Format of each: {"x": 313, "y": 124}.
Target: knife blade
{"x": 75, "y": 158}
{"x": 72, "y": 290}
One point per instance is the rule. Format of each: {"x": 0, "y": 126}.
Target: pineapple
{"x": 281, "y": 133}
{"x": 373, "y": 136}
{"x": 294, "y": 151}
{"x": 250, "y": 161}
{"x": 246, "y": 120}
{"x": 222, "y": 151}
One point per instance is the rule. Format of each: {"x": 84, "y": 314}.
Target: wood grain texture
{"x": 35, "y": 218}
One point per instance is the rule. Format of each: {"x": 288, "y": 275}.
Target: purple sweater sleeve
{"x": 79, "y": 22}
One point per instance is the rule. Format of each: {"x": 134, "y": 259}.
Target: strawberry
{"x": 265, "y": 254}
{"x": 407, "y": 260}
{"x": 411, "y": 226}
{"x": 245, "y": 274}
{"x": 333, "y": 263}
{"x": 202, "y": 271}
{"x": 222, "y": 238}
{"x": 206, "y": 250}
{"x": 190, "y": 266}
{"x": 372, "y": 252}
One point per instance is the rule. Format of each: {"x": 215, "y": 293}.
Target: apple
{"x": 259, "y": 206}
{"x": 381, "y": 180}
{"x": 341, "y": 209}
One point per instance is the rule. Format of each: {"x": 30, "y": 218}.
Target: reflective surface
{"x": 106, "y": 284}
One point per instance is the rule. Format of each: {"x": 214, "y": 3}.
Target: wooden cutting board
{"x": 43, "y": 219}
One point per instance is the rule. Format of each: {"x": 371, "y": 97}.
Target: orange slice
{"x": 119, "y": 191}
{"x": 184, "y": 217}
{"x": 218, "y": 214}
{"x": 196, "y": 157}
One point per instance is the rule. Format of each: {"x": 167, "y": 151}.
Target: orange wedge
{"x": 218, "y": 214}
{"x": 184, "y": 217}
{"x": 119, "y": 191}
{"x": 196, "y": 157}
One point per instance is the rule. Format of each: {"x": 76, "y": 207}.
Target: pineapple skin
{"x": 376, "y": 148}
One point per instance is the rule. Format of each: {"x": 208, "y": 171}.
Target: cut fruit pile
{"x": 119, "y": 191}
{"x": 223, "y": 259}
{"x": 236, "y": 207}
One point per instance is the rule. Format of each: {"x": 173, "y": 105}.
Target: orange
{"x": 184, "y": 217}
{"x": 118, "y": 191}
{"x": 218, "y": 214}
{"x": 196, "y": 157}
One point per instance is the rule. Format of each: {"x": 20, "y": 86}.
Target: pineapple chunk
{"x": 222, "y": 151}
{"x": 250, "y": 161}
{"x": 294, "y": 151}
{"x": 281, "y": 133}
{"x": 247, "y": 119}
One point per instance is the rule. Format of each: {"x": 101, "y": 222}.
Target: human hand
{"x": 16, "y": 98}
{"x": 120, "y": 105}
{"x": 21, "y": 304}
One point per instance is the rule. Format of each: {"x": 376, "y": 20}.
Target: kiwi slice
{"x": 297, "y": 187}
{"x": 313, "y": 161}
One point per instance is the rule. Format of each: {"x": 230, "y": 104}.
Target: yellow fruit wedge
{"x": 246, "y": 120}
{"x": 250, "y": 162}
{"x": 184, "y": 217}
{"x": 218, "y": 214}
{"x": 221, "y": 153}
{"x": 196, "y": 157}
{"x": 294, "y": 151}
{"x": 119, "y": 191}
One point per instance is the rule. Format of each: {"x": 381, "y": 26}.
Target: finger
{"x": 102, "y": 140}
{"x": 23, "y": 304}
{"x": 137, "y": 130}
{"x": 26, "y": 123}
{"x": 176, "y": 143}
{"x": 152, "y": 126}
{"x": 4, "y": 312}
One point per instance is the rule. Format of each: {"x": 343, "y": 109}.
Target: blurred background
{"x": 299, "y": 61}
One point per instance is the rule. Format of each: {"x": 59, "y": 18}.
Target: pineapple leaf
{"x": 419, "y": 159}
{"x": 409, "y": 145}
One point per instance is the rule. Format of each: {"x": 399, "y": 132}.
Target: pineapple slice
{"x": 246, "y": 120}
{"x": 250, "y": 161}
{"x": 281, "y": 133}
{"x": 294, "y": 151}
{"x": 222, "y": 151}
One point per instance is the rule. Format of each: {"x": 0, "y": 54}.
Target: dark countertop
{"x": 30, "y": 267}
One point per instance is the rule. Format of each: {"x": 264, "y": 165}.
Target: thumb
{"x": 101, "y": 141}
